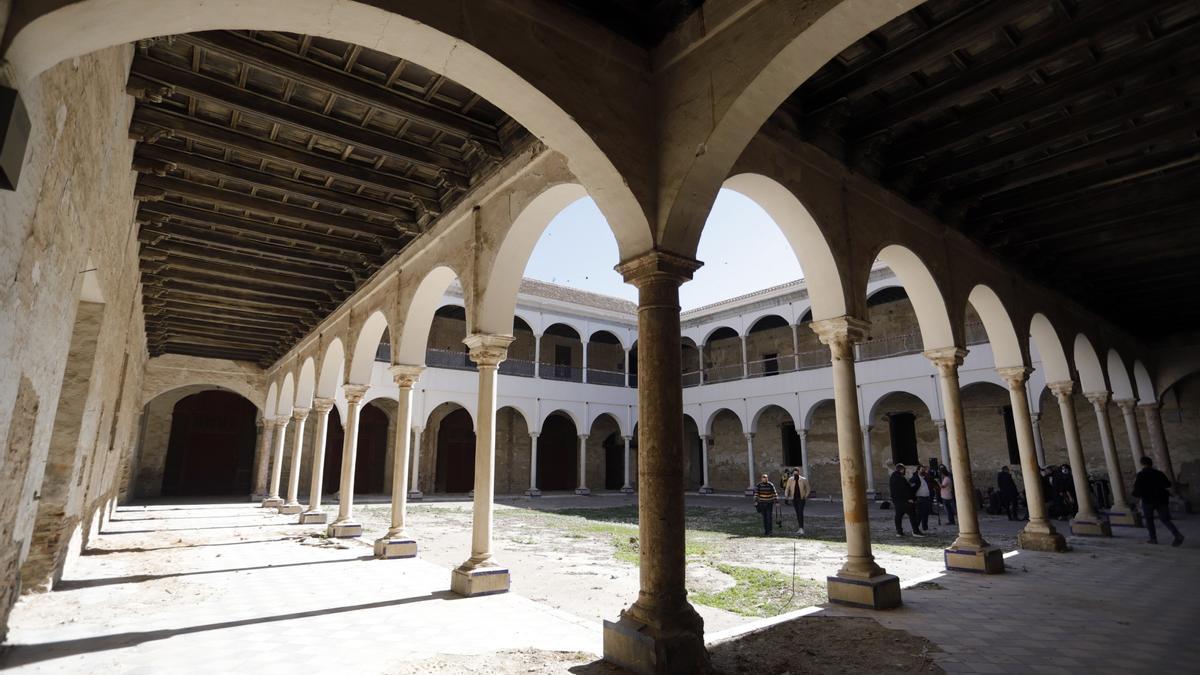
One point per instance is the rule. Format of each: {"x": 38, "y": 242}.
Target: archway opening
{"x": 522, "y": 353}
{"x": 445, "y": 347}
{"x": 561, "y": 355}
{"x": 557, "y": 451}
{"x": 211, "y": 446}
{"x": 605, "y": 359}
{"x": 902, "y": 432}
{"x": 455, "y": 468}
{"x": 770, "y": 347}
{"x": 723, "y": 356}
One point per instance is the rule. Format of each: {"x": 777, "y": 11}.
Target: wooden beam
{"x": 247, "y": 102}
{"x": 273, "y": 282}
{"x": 175, "y": 296}
{"x": 220, "y": 353}
{"x": 244, "y": 294}
{"x": 157, "y": 230}
{"x": 173, "y": 311}
{"x": 217, "y": 332}
{"x": 169, "y": 249}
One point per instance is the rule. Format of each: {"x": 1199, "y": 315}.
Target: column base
{"x": 387, "y": 548}
{"x": 313, "y": 518}
{"x": 1127, "y": 518}
{"x": 533, "y": 492}
{"x": 705, "y": 490}
{"x": 272, "y": 502}
{"x": 291, "y": 509}
{"x": 984, "y": 560}
{"x": 628, "y": 489}
{"x": 415, "y": 495}
{"x": 749, "y": 492}
{"x": 872, "y": 495}
{"x": 344, "y": 530}
{"x": 1040, "y": 541}
{"x": 641, "y": 648}
{"x": 582, "y": 491}
{"x": 1086, "y": 527}
{"x": 477, "y": 581}
{"x": 878, "y": 592}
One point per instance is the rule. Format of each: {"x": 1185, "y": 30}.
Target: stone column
{"x": 1128, "y": 406}
{"x": 414, "y": 490}
{"x": 314, "y": 514}
{"x": 262, "y": 468}
{"x": 745, "y": 361}
{"x": 943, "y": 443}
{"x": 1039, "y": 534}
{"x": 273, "y": 500}
{"x": 753, "y": 480}
{"x": 396, "y": 543}
{"x": 660, "y": 631}
{"x": 796, "y": 349}
{"x": 803, "y": 434}
{"x": 627, "y": 487}
{"x": 480, "y": 575}
{"x": 345, "y": 525}
{"x": 1120, "y": 513}
{"x": 583, "y": 488}
{"x": 860, "y": 582}
{"x": 537, "y": 355}
{"x": 1158, "y": 439}
{"x": 627, "y": 370}
{"x": 533, "y": 490}
{"x": 1036, "y": 419}
{"x": 1086, "y": 522}
{"x": 704, "y": 487}
{"x": 970, "y": 552}
{"x": 869, "y": 461}
{"x": 586, "y": 344}
{"x": 293, "y": 506}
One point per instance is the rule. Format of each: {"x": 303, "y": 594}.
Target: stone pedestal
{"x": 344, "y": 530}
{"x": 272, "y": 502}
{"x": 642, "y": 648}
{"x": 878, "y": 592}
{"x": 313, "y": 518}
{"x": 1088, "y": 527}
{"x": 415, "y": 495}
{"x": 582, "y": 491}
{"x": 1039, "y": 541}
{"x": 479, "y": 581}
{"x": 291, "y": 509}
{"x": 628, "y": 490}
{"x": 1124, "y": 518}
{"x": 749, "y": 492}
{"x": 387, "y": 548}
{"x": 982, "y": 560}
{"x": 533, "y": 493}
{"x": 705, "y": 490}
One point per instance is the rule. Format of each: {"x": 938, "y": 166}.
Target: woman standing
{"x": 947, "y": 494}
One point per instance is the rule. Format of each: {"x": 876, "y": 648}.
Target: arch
{"x": 812, "y": 409}
{"x": 84, "y": 26}
{"x": 287, "y": 396}
{"x": 754, "y": 419}
{"x": 332, "y": 365}
{"x": 1006, "y": 348}
{"x": 565, "y": 329}
{"x": 1091, "y": 374}
{"x": 726, "y": 333}
{"x": 504, "y": 281}
{"x": 306, "y": 384}
{"x": 558, "y": 443}
{"x": 574, "y": 415}
{"x": 363, "y": 360}
{"x": 242, "y": 386}
{"x": 517, "y": 408}
{"x": 873, "y": 407}
{"x": 615, "y": 339}
{"x": 821, "y": 273}
{"x": 708, "y": 423}
{"x": 890, "y": 291}
{"x": 687, "y": 416}
{"x": 426, "y": 300}
{"x": 1049, "y": 348}
{"x": 1145, "y": 386}
{"x": 767, "y": 322}
{"x": 269, "y": 410}
{"x": 616, "y": 419}
{"x": 1118, "y": 377}
{"x": 210, "y": 450}
{"x": 933, "y": 318}
{"x": 454, "y": 469}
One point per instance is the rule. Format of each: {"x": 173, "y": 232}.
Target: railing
{"x": 551, "y": 371}
{"x": 817, "y": 358}
{"x": 896, "y": 345}
{"x": 772, "y": 366}
{"x": 518, "y": 367}
{"x": 692, "y": 378}
{"x": 441, "y": 358}
{"x": 975, "y": 333}
{"x": 723, "y": 373}
{"x": 611, "y": 378}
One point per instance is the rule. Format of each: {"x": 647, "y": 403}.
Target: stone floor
{"x": 245, "y": 590}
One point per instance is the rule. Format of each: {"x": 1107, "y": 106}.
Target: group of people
{"x": 914, "y": 496}
{"x": 795, "y": 491}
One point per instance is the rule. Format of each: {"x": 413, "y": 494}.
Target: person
{"x": 947, "y": 494}
{"x": 1069, "y": 484}
{"x": 797, "y": 490}
{"x": 1152, "y": 487}
{"x": 1064, "y": 491}
{"x": 902, "y": 497}
{"x": 1009, "y": 497}
{"x": 923, "y": 491}
{"x": 765, "y": 497}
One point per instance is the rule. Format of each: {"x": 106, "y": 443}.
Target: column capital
{"x": 802, "y": 433}
{"x": 405, "y": 375}
{"x": 707, "y": 438}
{"x": 749, "y": 435}
{"x": 1126, "y": 405}
{"x": 418, "y": 429}
{"x": 841, "y": 330}
{"x": 658, "y": 266}
{"x": 535, "y": 434}
{"x": 939, "y": 424}
{"x": 355, "y": 392}
{"x": 488, "y": 350}
{"x": 1149, "y": 405}
{"x": 1015, "y": 376}
{"x": 1099, "y": 399}
{"x": 281, "y": 421}
{"x": 583, "y": 437}
{"x": 627, "y": 438}
{"x": 947, "y": 359}
{"x": 300, "y": 414}
{"x": 866, "y": 428}
{"x": 1062, "y": 390}
{"x": 322, "y": 405}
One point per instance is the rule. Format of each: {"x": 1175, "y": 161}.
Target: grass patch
{"x": 761, "y": 592}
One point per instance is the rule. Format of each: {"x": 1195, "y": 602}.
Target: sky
{"x": 742, "y": 250}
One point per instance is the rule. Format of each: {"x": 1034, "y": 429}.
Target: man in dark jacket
{"x": 902, "y": 497}
{"x": 765, "y": 497}
{"x": 1153, "y": 488}
{"x": 1009, "y": 496}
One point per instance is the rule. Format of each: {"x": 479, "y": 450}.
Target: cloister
{"x": 314, "y": 216}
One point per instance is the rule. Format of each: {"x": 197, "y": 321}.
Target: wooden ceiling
{"x": 1060, "y": 134}
{"x": 279, "y": 171}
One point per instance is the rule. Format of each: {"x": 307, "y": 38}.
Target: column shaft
{"x": 277, "y": 465}
{"x": 868, "y": 461}
{"x": 1158, "y": 439}
{"x": 345, "y": 519}
{"x": 406, "y": 378}
{"x": 751, "y": 478}
{"x": 943, "y": 442}
{"x": 704, "y": 463}
{"x": 262, "y": 468}
{"x": 947, "y": 362}
{"x": 487, "y": 351}
{"x": 414, "y": 490}
{"x": 533, "y": 490}
{"x": 1062, "y": 391}
{"x": 1036, "y": 420}
{"x": 1129, "y": 415}
{"x": 745, "y": 362}
{"x": 627, "y": 487}
{"x": 1039, "y": 533}
{"x": 1111, "y": 462}
{"x": 299, "y": 416}
{"x": 803, "y": 433}
{"x": 583, "y": 486}
{"x": 321, "y": 406}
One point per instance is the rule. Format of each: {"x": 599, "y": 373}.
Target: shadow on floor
{"x": 76, "y": 584}
{"x": 23, "y": 654}
{"x": 139, "y": 549}
{"x": 189, "y": 529}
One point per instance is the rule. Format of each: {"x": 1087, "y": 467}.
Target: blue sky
{"x": 742, "y": 250}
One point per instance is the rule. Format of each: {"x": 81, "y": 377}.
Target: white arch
{"x": 287, "y": 396}
{"x": 765, "y": 315}
{"x": 365, "y": 347}
{"x": 713, "y": 416}
{"x": 1006, "y": 348}
{"x": 872, "y": 404}
{"x": 690, "y": 416}
{"x": 821, "y": 274}
{"x": 573, "y": 324}
{"x": 1118, "y": 377}
{"x": 306, "y": 384}
{"x": 426, "y": 300}
{"x": 1091, "y": 374}
{"x": 708, "y": 335}
{"x": 525, "y": 416}
{"x": 576, "y": 416}
{"x": 332, "y": 366}
{"x": 433, "y": 402}
{"x": 499, "y": 303}
{"x": 1049, "y": 348}
{"x": 614, "y": 333}
{"x": 933, "y": 319}
{"x": 808, "y": 414}
{"x": 757, "y": 416}
{"x": 1145, "y": 386}
{"x": 609, "y": 414}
